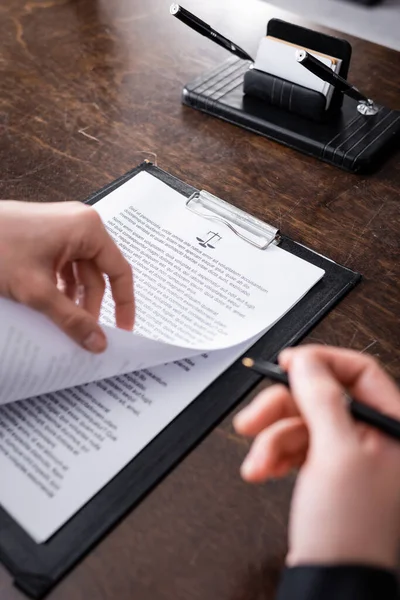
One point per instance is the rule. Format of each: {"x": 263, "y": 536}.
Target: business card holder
{"x": 286, "y": 95}
{"x": 295, "y": 116}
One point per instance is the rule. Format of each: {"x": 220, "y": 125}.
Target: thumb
{"x": 317, "y": 393}
{"x": 76, "y": 322}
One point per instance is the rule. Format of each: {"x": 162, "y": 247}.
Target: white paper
{"x": 197, "y": 309}
{"x": 279, "y": 58}
{"x": 201, "y": 300}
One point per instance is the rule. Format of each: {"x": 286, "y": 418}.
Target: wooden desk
{"x": 85, "y": 86}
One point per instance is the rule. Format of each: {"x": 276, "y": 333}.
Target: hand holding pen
{"x": 346, "y": 505}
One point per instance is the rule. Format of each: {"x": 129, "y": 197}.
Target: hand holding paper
{"x": 49, "y": 252}
{"x": 190, "y": 299}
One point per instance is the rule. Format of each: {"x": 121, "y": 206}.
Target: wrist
{"x": 355, "y": 525}
{"x": 383, "y": 556}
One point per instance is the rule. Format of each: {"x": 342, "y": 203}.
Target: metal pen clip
{"x": 245, "y": 226}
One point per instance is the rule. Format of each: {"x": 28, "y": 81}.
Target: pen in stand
{"x": 198, "y": 25}
{"x": 366, "y": 105}
{"x": 360, "y": 411}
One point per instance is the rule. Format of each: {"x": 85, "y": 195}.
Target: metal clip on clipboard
{"x": 245, "y": 226}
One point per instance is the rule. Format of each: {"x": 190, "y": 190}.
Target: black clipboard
{"x": 36, "y": 568}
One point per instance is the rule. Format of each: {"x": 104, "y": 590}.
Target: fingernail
{"x": 247, "y": 468}
{"x": 284, "y": 357}
{"x": 286, "y": 353}
{"x": 95, "y": 342}
{"x": 241, "y": 420}
{"x": 238, "y": 418}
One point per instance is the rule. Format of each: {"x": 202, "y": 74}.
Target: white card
{"x": 279, "y": 58}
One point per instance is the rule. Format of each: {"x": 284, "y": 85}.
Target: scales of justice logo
{"x": 210, "y": 240}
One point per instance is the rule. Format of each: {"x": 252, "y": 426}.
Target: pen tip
{"x": 174, "y": 8}
{"x": 248, "y": 362}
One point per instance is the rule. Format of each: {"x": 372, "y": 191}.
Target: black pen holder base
{"x": 347, "y": 139}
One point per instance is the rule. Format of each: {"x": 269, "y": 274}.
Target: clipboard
{"x": 36, "y": 568}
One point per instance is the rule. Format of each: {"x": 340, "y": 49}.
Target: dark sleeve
{"x": 346, "y": 582}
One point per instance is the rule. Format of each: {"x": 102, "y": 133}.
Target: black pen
{"x": 315, "y": 66}
{"x": 198, "y": 25}
{"x": 361, "y": 412}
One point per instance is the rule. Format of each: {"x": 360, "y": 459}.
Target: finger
{"x": 76, "y": 322}
{"x": 270, "y": 405}
{"x": 360, "y": 373}
{"x": 93, "y": 284}
{"x": 277, "y": 449}
{"x": 293, "y": 463}
{"x": 120, "y": 276}
{"x": 109, "y": 260}
{"x": 121, "y": 283}
{"x": 319, "y": 395}
{"x": 94, "y": 243}
{"x": 69, "y": 283}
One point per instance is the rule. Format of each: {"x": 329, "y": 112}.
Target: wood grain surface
{"x": 88, "y": 90}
